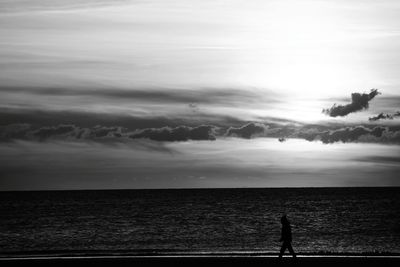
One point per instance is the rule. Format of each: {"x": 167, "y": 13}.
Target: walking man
{"x": 286, "y": 237}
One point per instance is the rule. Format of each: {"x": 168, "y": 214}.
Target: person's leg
{"x": 289, "y": 245}
{"x": 283, "y": 248}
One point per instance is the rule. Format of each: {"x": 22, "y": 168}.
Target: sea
{"x": 323, "y": 220}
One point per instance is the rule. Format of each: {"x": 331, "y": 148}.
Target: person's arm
{"x": 290, "y": 233}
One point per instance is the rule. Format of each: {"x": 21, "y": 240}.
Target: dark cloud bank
{"x": 42, "y": 125}
{"x": 104, "y": 133}
{"x": 383, "y": 116}
{"x": 324, "y": 133}
{"x": 358, "y": 102}
{"x": 181, "y": 133}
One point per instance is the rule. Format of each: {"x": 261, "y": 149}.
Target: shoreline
{"x": 166, "y": 253}
{"x": 191, "y": 254}
{"x": 201, "y": 260}
{"x": 153, "y": 253}
{"x": 65, "y": 257}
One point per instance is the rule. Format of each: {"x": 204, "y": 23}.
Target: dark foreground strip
{"x": 203, "y": 260}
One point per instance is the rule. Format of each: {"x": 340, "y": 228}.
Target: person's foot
{"x": 295, "y": 258}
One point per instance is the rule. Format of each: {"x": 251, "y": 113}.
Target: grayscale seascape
{"x": 181, "y": 133}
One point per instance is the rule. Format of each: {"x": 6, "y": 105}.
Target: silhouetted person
{"x": 286, "y": 237}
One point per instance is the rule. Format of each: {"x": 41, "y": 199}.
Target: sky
{"x": 199, "y": 94}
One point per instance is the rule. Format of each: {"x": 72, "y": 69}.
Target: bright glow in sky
{"x": 301, "y": 50}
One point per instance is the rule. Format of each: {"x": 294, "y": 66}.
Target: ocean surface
{"x": 338, "y": 220}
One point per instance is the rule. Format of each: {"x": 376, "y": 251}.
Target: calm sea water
{"x": 323, "y": 219}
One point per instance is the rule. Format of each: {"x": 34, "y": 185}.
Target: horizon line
{"x": 199, "y": 188}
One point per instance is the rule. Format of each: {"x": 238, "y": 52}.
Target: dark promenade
{"x": 200, "y": 260}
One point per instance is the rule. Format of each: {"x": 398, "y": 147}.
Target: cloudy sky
{"x": 176, "y": 94}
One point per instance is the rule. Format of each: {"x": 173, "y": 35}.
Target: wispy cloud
{"x": 130, "y": 120}
{"x": 247, "y": 131}
{"x": 214, "y": 96}
{"x": 18, "y": 6}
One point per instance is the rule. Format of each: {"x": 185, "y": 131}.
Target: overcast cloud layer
{"x": 222, "y": 163}
{"x": 157, "y": 94}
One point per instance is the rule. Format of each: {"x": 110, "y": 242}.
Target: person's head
{"x": 284, "y": 220}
